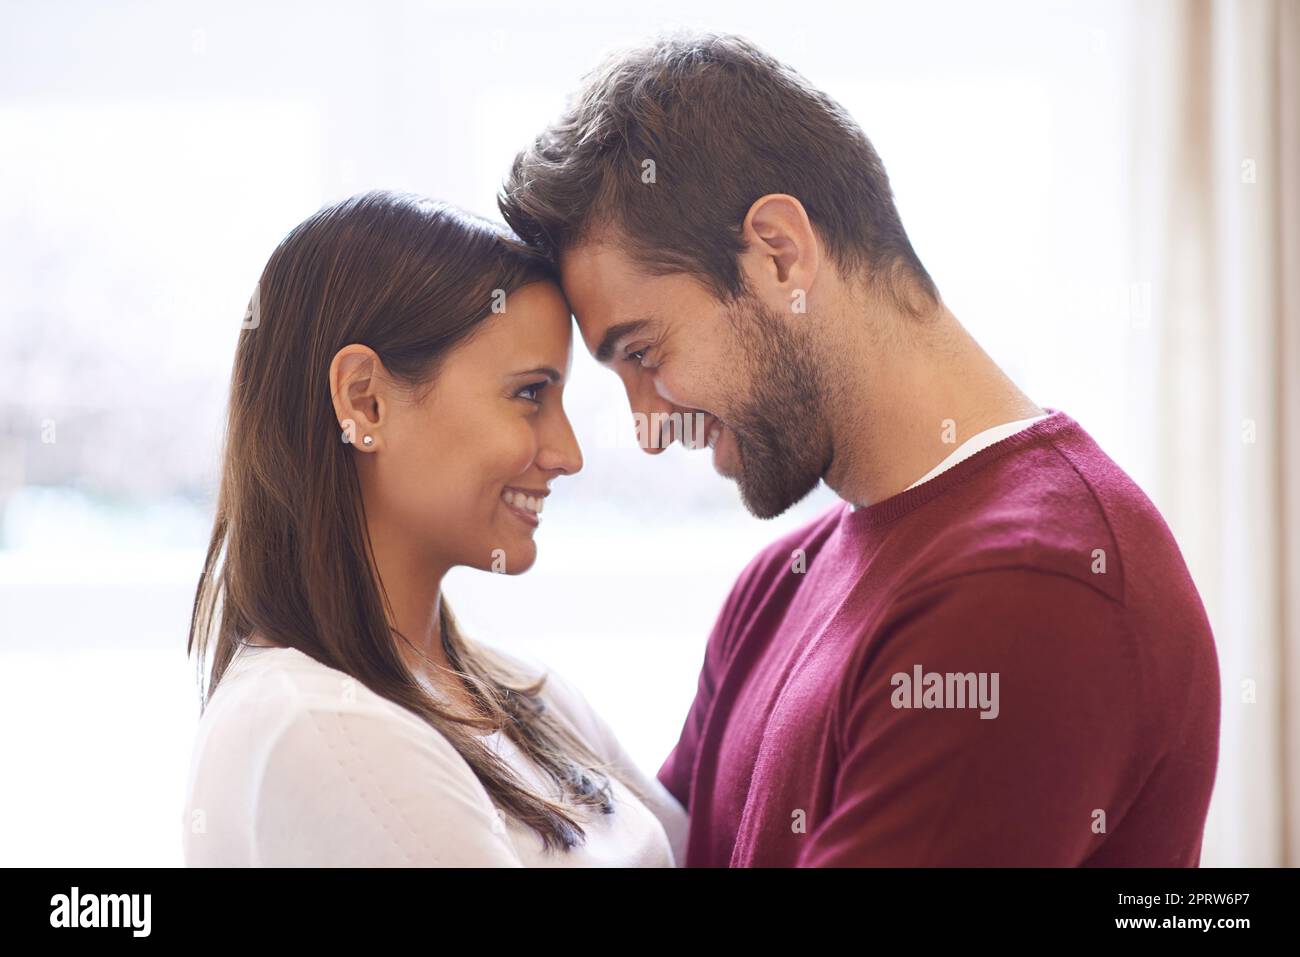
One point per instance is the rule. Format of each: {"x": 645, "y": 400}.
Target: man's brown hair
{"x": 722, "y": 123}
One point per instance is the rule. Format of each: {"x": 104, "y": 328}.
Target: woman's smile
{"x": 525, "y": 503}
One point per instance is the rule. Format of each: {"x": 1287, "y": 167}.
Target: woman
{"x": 395, "y": 411}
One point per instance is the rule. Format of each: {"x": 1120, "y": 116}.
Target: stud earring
{"x": 368, "y": 440}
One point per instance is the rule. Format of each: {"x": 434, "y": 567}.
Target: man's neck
{"x": 927, "y": 389}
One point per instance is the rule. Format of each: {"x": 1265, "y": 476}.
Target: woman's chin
{"x": 513, "y": 558}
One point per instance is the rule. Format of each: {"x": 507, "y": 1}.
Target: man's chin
{"x": 767, "y": 503}
{"x": 771, "y": 477}
{"x": 761, "y": 510}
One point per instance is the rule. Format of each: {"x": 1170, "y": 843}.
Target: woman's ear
{"x": 359, "y": 403}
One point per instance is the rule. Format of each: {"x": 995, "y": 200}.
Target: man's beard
{"x": 781, "y": 436}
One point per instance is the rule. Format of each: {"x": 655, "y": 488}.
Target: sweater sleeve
{"x": 677, "y": 769}
{"x": 1037, "y": 784}
{"x": 357, "y": 788}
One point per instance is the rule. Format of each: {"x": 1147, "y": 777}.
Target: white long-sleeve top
{"x": 297, "y": 764}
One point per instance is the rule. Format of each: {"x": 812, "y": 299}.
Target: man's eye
{"x": 638, "y": 355}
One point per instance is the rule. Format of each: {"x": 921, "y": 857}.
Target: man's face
{"x": 739, "y": 378}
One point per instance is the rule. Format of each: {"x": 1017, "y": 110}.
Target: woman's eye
{"x": 535, "y": 389}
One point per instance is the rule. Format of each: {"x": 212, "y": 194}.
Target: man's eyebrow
{"x": 605, "y": 351}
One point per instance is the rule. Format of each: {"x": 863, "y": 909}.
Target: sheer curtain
{"x": 1216, "y": 174}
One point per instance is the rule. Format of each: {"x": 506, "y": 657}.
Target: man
{"x": 992, "y": 652}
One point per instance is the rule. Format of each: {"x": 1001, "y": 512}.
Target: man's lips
{"x": 713, "y": 433}
{"x": 695, "y": 430}
{"x": 722, "y": 463}
{"x": 701, "y": 431}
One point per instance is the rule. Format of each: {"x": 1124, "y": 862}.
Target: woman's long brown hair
{"x": 290, "y": 558}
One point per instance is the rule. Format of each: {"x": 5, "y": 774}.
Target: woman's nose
{"x": 560, "y": 449}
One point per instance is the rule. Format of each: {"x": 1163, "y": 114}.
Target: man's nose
{"x": 653, "y": 417}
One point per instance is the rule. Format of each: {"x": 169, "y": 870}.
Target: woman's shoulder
{"x": 280, "y": 707}
{"x": 266, "y": 689}
{"x": 307, "y": 766}
{"x": 270, "y": 686}
{"x": 288, "y": 675}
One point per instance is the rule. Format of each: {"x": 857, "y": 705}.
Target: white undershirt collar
{"x": 975, "y": 443}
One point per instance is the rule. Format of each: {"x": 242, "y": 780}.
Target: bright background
{"x": 153, "y": 154}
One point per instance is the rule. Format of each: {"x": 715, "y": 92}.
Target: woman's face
{"x": 459, "y": 477}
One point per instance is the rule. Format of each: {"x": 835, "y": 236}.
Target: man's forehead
{"x": 592, "y": 268}
{"x": 601, "y": 286}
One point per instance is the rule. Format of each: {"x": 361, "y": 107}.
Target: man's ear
{"x": 782, "y": 254}
{"x": 356, "y": 387}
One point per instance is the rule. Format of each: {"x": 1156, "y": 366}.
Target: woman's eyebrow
{"x": 549, "y": 371}
{"x": 609, "y": 342}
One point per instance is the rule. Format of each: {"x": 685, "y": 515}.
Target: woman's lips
{"x": 527, "y": 507}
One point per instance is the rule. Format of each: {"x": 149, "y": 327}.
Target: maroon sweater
{"x": 1006, "y": 665}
